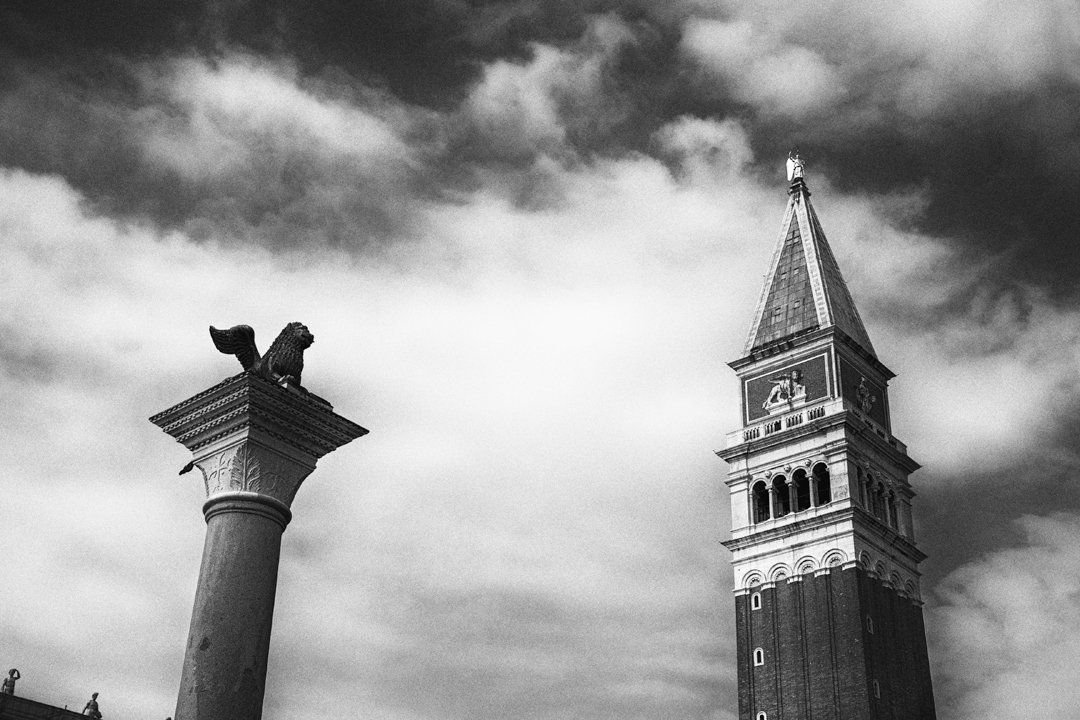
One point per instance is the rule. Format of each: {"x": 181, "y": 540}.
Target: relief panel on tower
{"x": 862, "y": 392}
{"x": 786, "y": 388}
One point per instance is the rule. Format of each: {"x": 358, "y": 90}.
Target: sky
{"x": 527, "y": 236}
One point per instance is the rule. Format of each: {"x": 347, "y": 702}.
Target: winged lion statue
{"x": 282, "y": 363}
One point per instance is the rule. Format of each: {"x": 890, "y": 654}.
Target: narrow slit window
{"x": 869, "y": 624}
{"x": 755, "y": 601}
{"x": 762, "y": 716}
{"x": 759, "y": 657}
{"x": 877, "y": 689}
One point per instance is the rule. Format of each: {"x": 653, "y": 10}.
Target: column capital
{"x": 249, "y": 435}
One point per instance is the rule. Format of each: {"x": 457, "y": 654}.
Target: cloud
{"x": 1005, "y": 635}
{"x": 241, "y": 148}
{"x": 986, "y": 46}
{"x": 494, "y": 542}
{"x": 550, "y": 104}
{"x": 934, "y": 56}
{"x": 705, "y": 146}
{"x": 505, "y": 526}
{"x": 528, "y": 304}
{"x": 774, "y": 76}
{"x": 969, "y": 104}
{"x": 222, "y": 108}
{"x": 988, "y": 368}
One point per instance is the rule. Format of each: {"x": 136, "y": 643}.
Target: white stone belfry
{"x": 254, "y": 442}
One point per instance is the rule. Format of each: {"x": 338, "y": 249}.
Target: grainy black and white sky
{"x": 527, "y": 236}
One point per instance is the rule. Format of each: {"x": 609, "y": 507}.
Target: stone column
{"x": 254, "y": 442}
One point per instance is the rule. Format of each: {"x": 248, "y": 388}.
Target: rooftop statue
{"x": 8, "y": 687}
{"x": 283, "y": 362}
{"x": 794, "y": 166}
{"x": 91, "y": 708}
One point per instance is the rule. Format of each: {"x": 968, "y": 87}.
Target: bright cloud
{"x": 522, "y": 108}
{"x": 778, "y": 77}
{"x": 517, "y": 487}
{"x": 537, "y": 346}
{"x": 1007, "y": 633}
{"x": 913, "y": 57}
{"x": 227, "y": 117}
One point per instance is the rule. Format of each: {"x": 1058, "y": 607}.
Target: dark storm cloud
{"x": 997, "y": 175}
{"x": 140, "y": 142}
{"x": 977, "y": 109}
{"x": 95, "y": 106}
{"x": 988, "y": 501}
{"x": 425, "y": 51}
{"x": 993, "y": 155}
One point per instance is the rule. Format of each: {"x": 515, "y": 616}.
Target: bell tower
{"x": 829, "y": 619}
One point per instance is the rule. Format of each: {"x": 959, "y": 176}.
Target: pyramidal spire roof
{"x": 804, "y": 289}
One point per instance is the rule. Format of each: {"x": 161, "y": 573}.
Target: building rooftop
{"x": 15, "y": 707}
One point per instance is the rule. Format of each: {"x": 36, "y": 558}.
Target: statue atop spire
{"x": 804, "y": 289}
{"x": 794, "y": 167}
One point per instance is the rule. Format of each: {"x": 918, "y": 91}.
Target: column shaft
{"x": 224, "y": 675}
{"x": 253, "y": 442}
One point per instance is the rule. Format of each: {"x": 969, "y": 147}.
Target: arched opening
{"x": 802, "y": 490}
{"x": 824, "y": 485}
{"x": 892, "y": 511}
{"x": 759, "y": 656}
{"x": 761, "y": 501}
{"x": 861, "y": 481}
{"x": 755, "y": 601}
{"x": 781, "y": 496}
{"x": 879, "y": 502}
{"x": 762, "y": 716}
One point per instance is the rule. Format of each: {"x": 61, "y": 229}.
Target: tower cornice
{"x": 807, "y": 337}
{"x": 861, "y": 524}
{"x": 836, "y": 415}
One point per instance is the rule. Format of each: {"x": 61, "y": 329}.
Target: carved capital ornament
{"x": 255, "y": 437}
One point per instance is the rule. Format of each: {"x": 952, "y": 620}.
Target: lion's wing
{"x": 238, "y": 341}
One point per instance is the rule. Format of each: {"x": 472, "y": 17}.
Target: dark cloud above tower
{"x": 973, "y": 107}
